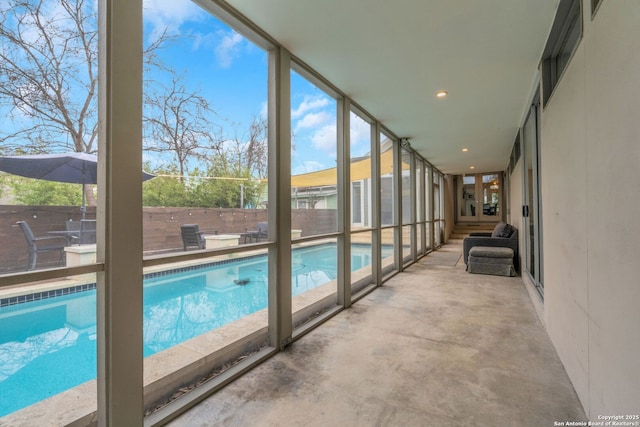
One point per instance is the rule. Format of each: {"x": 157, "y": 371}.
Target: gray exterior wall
{"x": 590, "y": 154}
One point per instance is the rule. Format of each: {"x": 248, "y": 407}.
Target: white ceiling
{"x": 391, "y": 56}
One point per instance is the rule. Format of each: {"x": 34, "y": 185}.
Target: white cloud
{"x": 228, "y": 48}
{"x": 360, "y": 135}
{"x": 170, "y": 14}
{"x": 204, "y": 41}
{"x": 313, "y": 120}
{"x": 309, "y": 103}
{"x": 308, "y": 166}
{"x": 264, "y": 109}
{"x": 325, "y": 139}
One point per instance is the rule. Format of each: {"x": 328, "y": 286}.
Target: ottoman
{"x": 491, "y": 260}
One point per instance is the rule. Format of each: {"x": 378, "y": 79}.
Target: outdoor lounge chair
{"x": 192, "y": 236}
{"x": 41, "y": 244}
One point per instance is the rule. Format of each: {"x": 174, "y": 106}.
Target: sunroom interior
{"x": 436, "y": 115}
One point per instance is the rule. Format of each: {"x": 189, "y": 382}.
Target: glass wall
{"x": 428, "y": 210}
{"x": 206, "y": 272}
{"x": 388, "y": 186}
{"x": 438, "y": 215}
{"x": 360, "y": 172}
{"x": 314, "y": 198}
{"x": 361, "y": 260}
{"x": 205, "y": 141}
{"x": 408, "y": 230}
{"x": 49, "y": 186}
{"x": 204, "y": 133}
{"x": 314, "y": 175}
{"x": 419, "y": 208}
{"x": 361, "y": 202}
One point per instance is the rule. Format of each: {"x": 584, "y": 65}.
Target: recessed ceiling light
{"x": 464, "y": 150}
{"x": 472, "y": 167}
{"x": 441, "y": 93}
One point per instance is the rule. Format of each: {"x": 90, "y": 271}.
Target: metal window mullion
{"x": 119, "y": 215}
{"x": 397, "y": 205}
{"x": 412, "y": 192}
{"x": 344, "y": 205}
{"x": 376, "y": 217}
{"x": 279, "y": 187}
{"x": 432, "y": 219}
{"x": 441, "y": 206}
{"x": 423, "y": 210}
{"x": 422, "y": 206}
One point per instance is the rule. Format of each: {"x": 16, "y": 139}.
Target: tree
{"x": 257, "y": 150}
{"x": 179, "y": 122}
{"x": 37, "y": 192}
{"x": 48, "y": 74}
{"x": 249, "y": 149}
{"x": 164, "y": 190}
{"x": 48, "y": 87}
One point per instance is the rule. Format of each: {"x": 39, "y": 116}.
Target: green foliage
{"x": 219, "y": 187}
{"x": 36, "y": 192}
{"x": 164, "y": 190}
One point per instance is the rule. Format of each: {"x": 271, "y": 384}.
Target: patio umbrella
{"x": 75, "y": 168}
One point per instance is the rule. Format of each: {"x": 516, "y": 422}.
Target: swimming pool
{"x": 49, "y": 345}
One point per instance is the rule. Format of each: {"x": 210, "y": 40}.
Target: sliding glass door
{"x": 531, "y": 210}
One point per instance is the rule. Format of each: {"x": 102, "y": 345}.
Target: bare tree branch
{"x": 179, "y": 121}
{"x": 48, "y": 73}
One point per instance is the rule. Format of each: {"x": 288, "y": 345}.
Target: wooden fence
{"x": 161, "y": 226}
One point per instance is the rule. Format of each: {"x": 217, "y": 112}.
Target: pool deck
{"x": 434, "y": 346}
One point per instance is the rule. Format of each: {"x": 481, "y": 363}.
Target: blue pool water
{"x": 48, "y": 346}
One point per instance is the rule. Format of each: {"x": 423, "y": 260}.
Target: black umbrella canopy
{"x": 74, "y": 168}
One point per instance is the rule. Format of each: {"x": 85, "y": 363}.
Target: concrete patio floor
{"x": 435, "y": 346}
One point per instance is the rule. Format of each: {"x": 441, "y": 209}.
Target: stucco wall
{"x": 590, "y": 156}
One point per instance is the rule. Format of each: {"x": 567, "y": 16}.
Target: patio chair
{"x": 192, "y": 236}
{"x": 41, "y": 244}
{"x": 81, "y": 232}
{"x": 87, "y": 231}
{"x": 73, "y": 230}
{"x": 255, "y": 235}
{"x": 262, "y": 231}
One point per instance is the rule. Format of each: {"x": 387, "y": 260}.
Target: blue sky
{"x": 231, "y": 73}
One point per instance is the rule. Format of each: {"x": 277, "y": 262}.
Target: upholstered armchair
{"x": 503, "y": 235}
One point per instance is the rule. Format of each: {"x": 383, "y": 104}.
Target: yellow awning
{"x": 360, "y": 170}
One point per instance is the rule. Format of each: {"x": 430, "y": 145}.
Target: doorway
{"x": 479, "y": 197}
